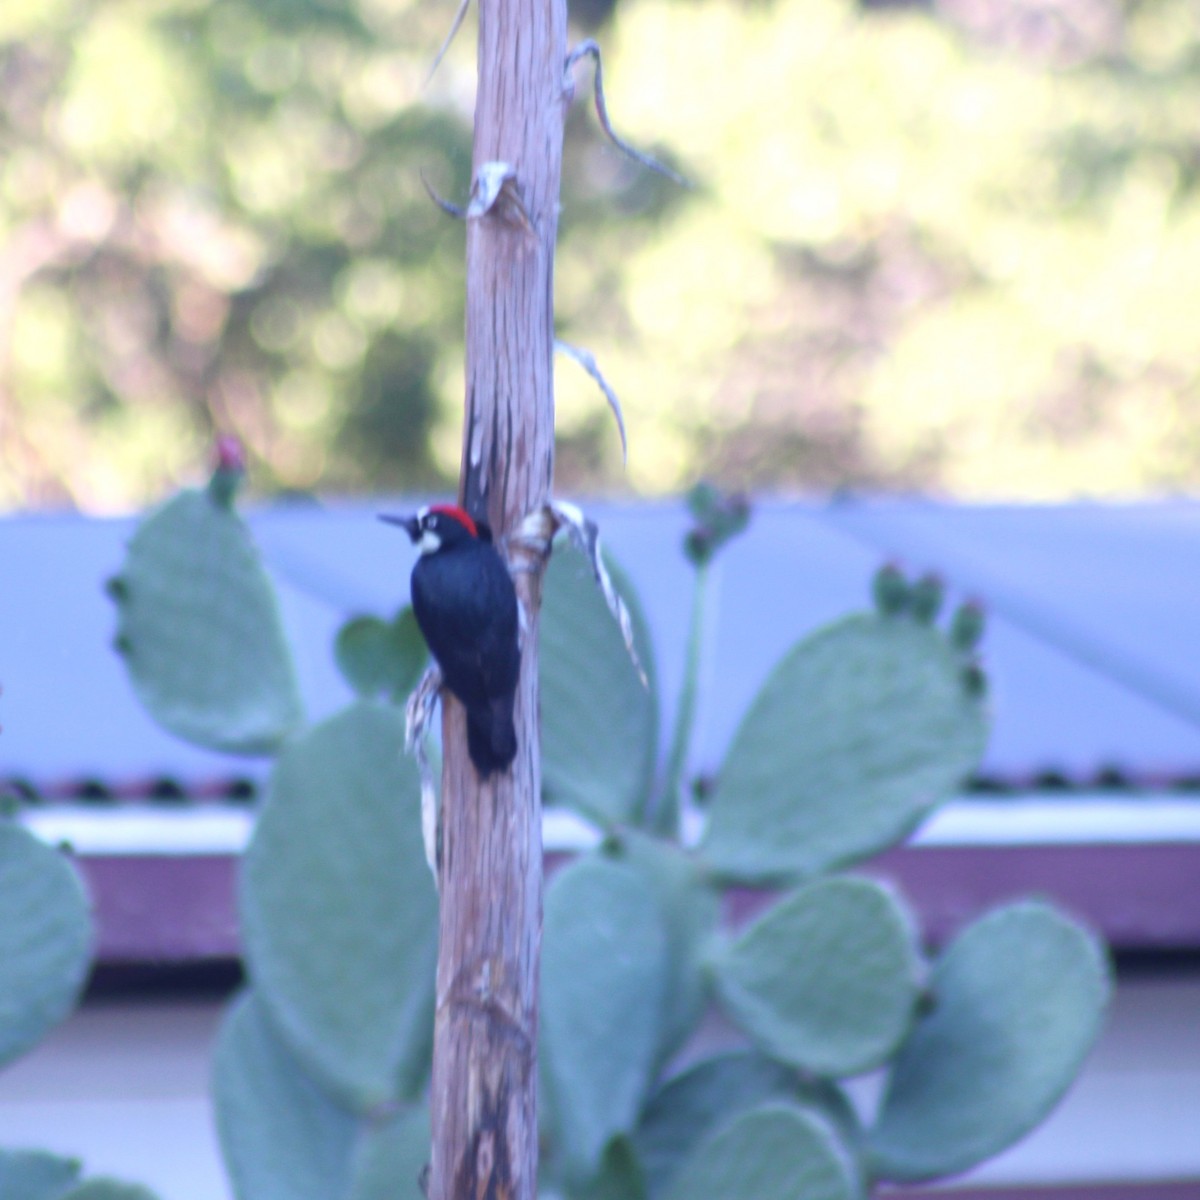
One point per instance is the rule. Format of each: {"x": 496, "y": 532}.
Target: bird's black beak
{"x": 410, "y": 524}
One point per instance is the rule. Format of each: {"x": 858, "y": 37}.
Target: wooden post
{"x": 484, "y": 1112}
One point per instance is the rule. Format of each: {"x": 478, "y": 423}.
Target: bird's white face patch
{"x": 430, "y": 542}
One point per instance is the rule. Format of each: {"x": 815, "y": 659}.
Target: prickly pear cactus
{"x": 199, "y": 627}
{"x": 381, "y": 658}
{"x": 45, "y": 939}
{"x": 36, "y": 1174}
{"x": 321, "y": 1067}
{"x": 599, "y": 720}
{"x": 45, "y": 953}
{"x": 861, "y": 730}
{"x": 338, "y": 910}
{"x": 107, "y": 1189}
{"x": 1020, "y": 995}
{"x": 826, "y": 1011}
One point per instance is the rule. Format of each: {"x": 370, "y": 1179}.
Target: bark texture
{"x": 484, "y": 1110}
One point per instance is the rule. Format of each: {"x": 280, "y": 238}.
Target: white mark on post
{"x": 489, "y": 181}
{"x": 477, "y": 443}
{"x": 494, "y": 192}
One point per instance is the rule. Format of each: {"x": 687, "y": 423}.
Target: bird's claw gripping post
{"x": 528, "y": 546}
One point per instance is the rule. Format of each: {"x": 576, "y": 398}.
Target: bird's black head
{"x": 441, "y": 525}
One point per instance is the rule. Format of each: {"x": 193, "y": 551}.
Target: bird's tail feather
{"x": 491, "y": 737}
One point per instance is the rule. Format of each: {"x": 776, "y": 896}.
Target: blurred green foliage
{"x": 952, "y": 246}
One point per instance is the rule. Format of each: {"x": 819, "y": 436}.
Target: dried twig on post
{"x": 589, "y": 49}
{"x": 587, "y": 361}
{"x": 455, "y": 25}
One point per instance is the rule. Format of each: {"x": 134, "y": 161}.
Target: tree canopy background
{"x": 950, "y": 247}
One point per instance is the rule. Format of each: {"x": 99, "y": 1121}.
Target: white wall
{"x": 124, "y": 1087}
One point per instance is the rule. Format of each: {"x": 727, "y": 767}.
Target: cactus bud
{"x": 890, "y": 590}
{"x": 974, "y": 680}
{"x": 966, "y": 629}
{"x": 927, "y": 595}
{"x": 927, "y": 1003}
{"x": 698, "y": 545}
{"x": 718, "y": 518}
{"x": 228, "y": 472}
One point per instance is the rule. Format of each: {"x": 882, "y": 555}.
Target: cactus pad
{"x": 828, "y": 978}
{"x": 604, "y": 976}
{"x": 45, "y": 939}
{"x": 199, "y": 629}
{"x": 339, "y": 914}
{"x": 708, "y": 1095}
{"x": 1018, "y": 999}
{"x": 382, "y": 658}
{"x": 281, "y": 1135}
{"x": 599, "y": 723}
{"x": 862, "y": 729}
{"x": 36, "y": 1175}
{"x": 773, "y": 1152}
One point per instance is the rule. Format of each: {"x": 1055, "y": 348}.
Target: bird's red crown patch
{"x": 461, "y": 516}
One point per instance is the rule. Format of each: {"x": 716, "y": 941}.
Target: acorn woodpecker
{"x": 466, "y": 606}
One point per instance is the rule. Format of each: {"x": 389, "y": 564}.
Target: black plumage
{"x": 466, "y": 606}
